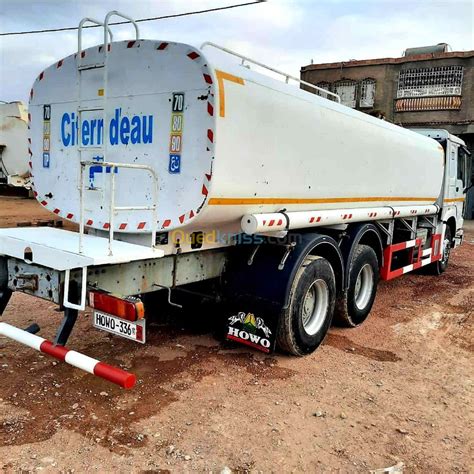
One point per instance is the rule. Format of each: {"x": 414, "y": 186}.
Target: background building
{"x": 428, "y": 87}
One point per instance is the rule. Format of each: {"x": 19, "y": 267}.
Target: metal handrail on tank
{"x": 276, "y": 71}
{"x": 79, "y": 32}
{"x": 121, "y": 15}
{"x": 112, "y": 207}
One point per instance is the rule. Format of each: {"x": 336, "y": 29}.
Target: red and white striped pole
{"x": 81, "y": 361}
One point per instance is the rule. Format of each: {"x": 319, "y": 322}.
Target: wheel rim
{"x": 364, "y": 286}
{"x": 315, "y": 306}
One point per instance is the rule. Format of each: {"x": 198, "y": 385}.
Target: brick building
{"x": 428, "y": 87}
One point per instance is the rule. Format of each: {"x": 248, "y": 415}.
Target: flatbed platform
{"x": 59, "y": 249}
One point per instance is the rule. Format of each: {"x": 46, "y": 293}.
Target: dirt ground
{"x": 397, "y": 389}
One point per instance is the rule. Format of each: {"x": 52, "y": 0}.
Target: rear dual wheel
{"x": 306, "y": 321}
{"x": 353, "y": 309}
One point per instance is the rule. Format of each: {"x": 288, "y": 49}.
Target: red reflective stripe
{"x": 123, "y": 226}
{"x": 41, "y": 76}
{"x": 248, "y": 343}
{"x": 115, "y": 375}
{"x": 60, "y": 63}
{"x": 162, "y": 46}
{"x": 166, "y": 223}
{"x": 208, "y": 176}
{"x": 204, "y": 190}
{"x": 44, "y": 203}
{"x": 210, "y": 109}
{"x": 139, "y": 333}
{"x": 69, "y": 216}
{"x": 106, "y": 225}
{"x": 210, "y": 135}
{"x": 271, "y": 222}
{"x": 89, "y": 222}
{"x": 191, "y": 214}
{"x": 207, "y": 78}
{"x": 193, "y": 55}
{"x": 58, "y": 352}
{"x": 56, "y": 211}
{"x": 130, "y": 44}
{"x": 141, "y": 225}
{"x": 181, "y": 218}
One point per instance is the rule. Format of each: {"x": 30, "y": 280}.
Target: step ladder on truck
{"x": 181, "y": 167}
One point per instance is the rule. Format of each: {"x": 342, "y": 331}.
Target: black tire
{"x": 294, "y": 335}
{"x": 439, "y": 267}
{"x": 353, "y": 309}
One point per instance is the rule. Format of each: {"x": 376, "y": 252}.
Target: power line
{"x": 176, "y": 15}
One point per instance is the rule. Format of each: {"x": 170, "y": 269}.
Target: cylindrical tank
{"x": 14, "y": 139}
{"x": 223, "y": 140}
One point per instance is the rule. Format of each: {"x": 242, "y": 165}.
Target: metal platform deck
{"x": 59, "y": 249}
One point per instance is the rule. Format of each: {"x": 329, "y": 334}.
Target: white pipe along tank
{"x": 224, "y": 141}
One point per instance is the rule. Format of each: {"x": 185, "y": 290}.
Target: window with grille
{"x": 367, "y": 93}
{"x": 347, "y": 91}
{"x": 428, "y": 82}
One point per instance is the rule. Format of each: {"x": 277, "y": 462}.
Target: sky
{"x": 285, "y": 34}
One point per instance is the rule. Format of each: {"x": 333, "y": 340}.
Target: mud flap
{"x": 252, "y": 322}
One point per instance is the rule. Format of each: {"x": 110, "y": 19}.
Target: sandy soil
{"x": 397, "y": 389}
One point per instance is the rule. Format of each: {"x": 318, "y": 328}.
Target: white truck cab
{"x": 457, "y": 178}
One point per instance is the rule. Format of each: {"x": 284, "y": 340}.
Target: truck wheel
{"x": 306, "y": 321}
{"x": 353, "y": 309}
{"x": 439, "y": 267}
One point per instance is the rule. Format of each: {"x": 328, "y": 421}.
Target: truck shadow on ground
{"x": 58, "y": 397}
{"x": 343, "y": 343}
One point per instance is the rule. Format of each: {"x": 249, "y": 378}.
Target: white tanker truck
{"x": 181, "y": 166}
{"x": 14, "y": 169}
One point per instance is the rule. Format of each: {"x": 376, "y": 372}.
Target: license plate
{"x": 121, "y": 327}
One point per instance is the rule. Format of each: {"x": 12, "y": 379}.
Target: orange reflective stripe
{"x": 455, "y": 200}
{"x": 221, "y": 75}
{"x": 244, "y": 201}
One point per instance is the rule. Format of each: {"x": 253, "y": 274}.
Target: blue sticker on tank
{"x": 175, "y": 164}
{"x": 45, "y": 160}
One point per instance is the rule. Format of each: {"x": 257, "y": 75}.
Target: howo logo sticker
{"x": 249, "y": 330}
